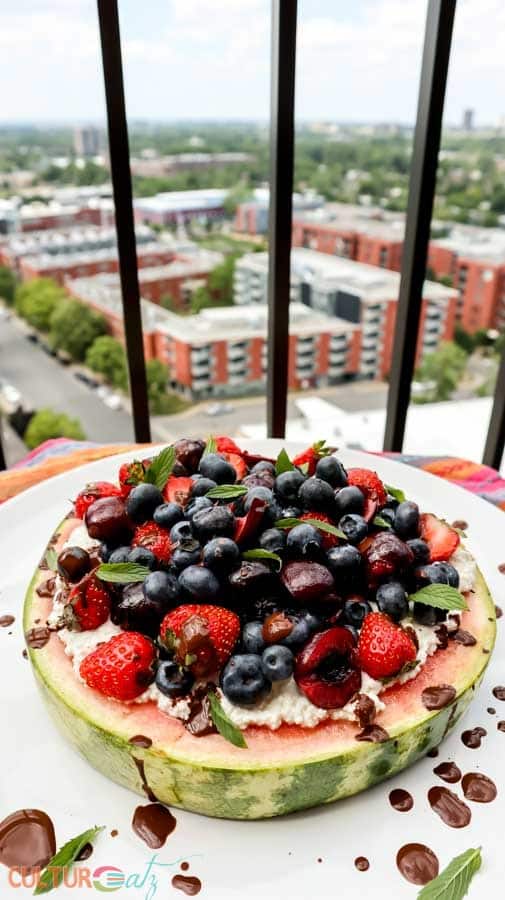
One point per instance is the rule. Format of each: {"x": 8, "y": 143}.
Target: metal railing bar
{"x": 282, "y": 117}
{"x": 435, "y": 63}
{"x": 119, "y": 152}
{"x": 495, "y": 440}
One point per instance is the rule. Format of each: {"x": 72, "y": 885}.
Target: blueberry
{"x": 221, "y": 554}
{"x": 168, "y": 514}
{"x": 243, "y": 680}
{"x": 354, "y": 527}
{"x": 273, "y": 540}
{"x": 181, "y": 531}
{"x": 252, "y": 637}
{"x": 186, "y": 553}
{"x": 388, "y": 514}
{"x": 105, "y": 552}
{"x": 349, "y": 500}
{"x": 290, "y": 512}
{"x": 451, "y": 573}
{"x": 355, "y": 611}
{"x": 142, "y": 501}
{"x": 263, "y": 466}
{"x": 218, "y": 521}
{"x": 202, "y": 486}
{"x": 313, "y": 621}
{"x": 173, "y": 681}
{"x": 216, "y": 467}
{"x": 391, "y": 501}
{"x": 299, "y": 634}
{"x": 252, "y": 576}
{"x": 287, "y": 485}
{"x": 391, "y": 598}
{"x": 420, "y": 550}
{"x": 199, "y": 584}
{"x": 120, "y": 555}
{"x": 136, "y": 612}
{"x": 161, "y": 587}
{"x": 142, "y": 556}
{"x": 330, "y": 469}
{"x": 406, "y": 521}
{"x": 196, "y": 505}
{"x": 316, "y": 494}
{"x": 261, "y": 493}
{"x": 437, "y": 573}
{"x": 428, "y": 615}
{"x": 304, "y": 540}
{"x": 344, "y": 560}
{"x": 277, "y": 662}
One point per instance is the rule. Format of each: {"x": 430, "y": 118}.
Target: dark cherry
{"x": 106, "y": 520}
{"x": 189, "y": 453}
{"x": 73, "y": 563}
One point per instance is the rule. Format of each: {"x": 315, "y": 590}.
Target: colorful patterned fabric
{"x": 61, "y": 454}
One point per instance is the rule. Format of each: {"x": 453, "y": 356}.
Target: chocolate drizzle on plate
{"x": 438, "y": 696}
{"x": 417, "y": 863}
{"x": 145, "y": 787}
{"x": 188, "y": 884}
{"x": 27, "y": 839}
{"x": 373, "y": 733}
{"x": 472, "y": 738}
{"x": 491, "y": 710}
{"x": 499, "y": 692}
{"x": 6, "y": 620}
{"x": 449, "y": 807}
{"x": 499, "y": 612}
{"x": 448, "y": 771}
{"x": 460, "y": 524}
{"x": 501, "y": 725}
{"x": 401, "y": 800}
{"x": 153, "y": 824}
{"x": 361, "y": 863}
{"x": 37, "y": 637}
{"x": 433, "y": 753}
{"x": 478, "y": 787}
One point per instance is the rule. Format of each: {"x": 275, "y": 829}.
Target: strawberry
{"x": 88, "y": 605}
{"x": 329, "y": 540}
{"x": 94, "y": 491}
{"x": 202, "y": 635}
{"x": 177, "y": 489}
{"x": 122, "y": 667}
{"x": 131, "y": 474}
{"x": 155, "y": 538}
{"x": 371, "y": 486}
{"x": 238, "y": 464}
{"x": 308, "y": 460}
{"x": 245, "y": 526}
{"x": 226, "y": 445}
{"x": 440, "y": 537}
{"x": 383, "y": 647}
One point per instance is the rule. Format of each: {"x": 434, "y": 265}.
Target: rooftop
{"x": 485, "y": 244}
{"x": 372, "y": 221}
{"x": 46, "y": 260}
{"x": 173, "y": 201}
{"x": 204, "y": 260}
{"x": 59, "y": 240}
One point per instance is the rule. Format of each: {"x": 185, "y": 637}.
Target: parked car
{"x": 86, "y": 379}
{"x": 218, "y": 409}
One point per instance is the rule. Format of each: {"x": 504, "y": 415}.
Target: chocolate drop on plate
{"x": 499, "y": 612}
{"x": 37, "y": 637}
{"x": 114, "y": 832}
{"x": 472, "y": 738}
{"x": 401, "y": 800}
{"x": 184, "y": 866}
{"x": 460, "y": 524}
{"x": 448, "y": 771}
{"x": 46, "y": 588}
{"x": 433, "y": 753}
{"x": 499, "y": 692}
{"x": 449, "y": 807}
{"x": 188, "y": 884}
{"x": 491, "y": 710}
{"x": 7, "y": 620}
{"x": 153, "y": 823}
{"x": 27, "y": 839}
{"x": 361, "y": 863}
{"x": 145, "y": 787}
{"x": 140, "y": 740}
{"x": 373, "y": 733}
{"x": 478, "y": 787}
{"x": 438, "y": 696}
{"x": 417, "y": 863}
{"x": 501, "y": 725}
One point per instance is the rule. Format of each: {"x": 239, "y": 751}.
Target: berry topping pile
{"x": 230, "y": 570}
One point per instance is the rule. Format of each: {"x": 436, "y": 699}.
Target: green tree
{"x": 106, "y": 355}
{"x": 46, "y": 424}
{"x": 7, "y": 285}
{"x": 168, "y": 302}
{"x": 444, "y": 367}
{"x": 220, "y": 283}
{"x": 464, "y": 339}
{"x": 201, "y": 299}
{"x": 74, "y": 327}
{"x": 36, "y": 301}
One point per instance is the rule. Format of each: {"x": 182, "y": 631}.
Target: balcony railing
{"x": 434, "y": 67}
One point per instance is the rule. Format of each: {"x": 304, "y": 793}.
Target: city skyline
{"x": 221, "y": 67}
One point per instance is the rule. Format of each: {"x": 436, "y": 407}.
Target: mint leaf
{"x": 441, "y": 596}
{"x": 454, "y": 881}
{"x": 121, "y": 573}
{"x": 316, "y": 523}
{"x": 397, "y": 493}
{"x": 160, "y": 468}
{"x": 283, "y": 463}
{"x": 223, "y": 724}
{"x": 210, "y": 446}
{"x": 380, "y": 522}
{"x": 64, "y": 858}
{"x": 51, "y": 559}
{"x": 263, "y": 554}
{"x": 226, "y": 491}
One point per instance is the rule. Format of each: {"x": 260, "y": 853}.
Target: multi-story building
{"x": 358, "y": 294}
{"x": 89, "y": 262}
{"x": 180, "y": 206}
{"x": 252, "y": 216}
{"x": 37, "y": 216}
{"x": 160, "y": 166}
{"x": 58, "y": 243}
{"x": 87, "y": 141}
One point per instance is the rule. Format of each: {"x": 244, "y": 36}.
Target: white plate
{"x": 267, "y": 859}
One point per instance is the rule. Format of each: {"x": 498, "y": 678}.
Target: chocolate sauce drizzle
{"x": 472, "y": 737}
{"x": 362, "y": 864}
{"x": 27, "y": 839}
{"x": 188, "y": 884}
{"x": 438, "y": 696}
{"x": 417, "y": 863}
{"x": 401, "y": 800}
{"x": 153, "y": 823}
{"x": 449, "y": 807}
{"x": 478, "y": 787}
{"x": 448, "y": 771}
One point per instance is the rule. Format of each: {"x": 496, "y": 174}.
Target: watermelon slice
{"x": 280, "y": 771}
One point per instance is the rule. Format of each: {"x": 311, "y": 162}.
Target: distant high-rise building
{"x": 468, "y": 115}
{"x": 87, "y": 141}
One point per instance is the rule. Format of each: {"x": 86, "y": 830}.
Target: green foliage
{"x": 46, "y": 424}
{"x": 444, "y": 367}
{"x": 106, "y": 355}
{"x": 74, "y": 327}
{"x": 161, "y": 401}
{"x": 168, "y": 302}
{"x": 464, "y": 339}
{"x": 220, "y": 282}
{"x": 89, "y": 174}
{"x": 37, "y": 300}
{"x": 7, "y": 285}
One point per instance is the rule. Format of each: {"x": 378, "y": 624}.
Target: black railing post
{"x": 119, "y": 152}
{"x": 495, "y": 440}
{"x": 437, "y": 46}
{"x": 282, "y": 118}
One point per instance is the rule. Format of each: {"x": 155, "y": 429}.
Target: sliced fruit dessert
{"x": 245, "y": 637}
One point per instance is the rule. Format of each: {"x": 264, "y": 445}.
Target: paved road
{"x": 43, "y": 381}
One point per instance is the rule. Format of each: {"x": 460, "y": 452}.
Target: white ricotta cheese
{"x": 463, "y": 561}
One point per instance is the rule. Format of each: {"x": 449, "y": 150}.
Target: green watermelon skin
{"x": 280, "y": 772}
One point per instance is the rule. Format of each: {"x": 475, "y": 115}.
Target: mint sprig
{"x": 210, "y": 446}
{"x": 259, "y": 553}
{"x": 395, "y": 492}
{"x": 227, "y": 491}
{"x": 283, "y": 463}
{"x": 64, "y": 858}
{"x": 224, "y": 725}
{"x": 51, "y": 559}
{"x": 160, "y": 469}
{"x": 441, "y": 596}
{"x": 291, "y": 521}
{"x": 381, "y": 523}
{"x": 454, "y": 881}
{"x": 122, "y": 573}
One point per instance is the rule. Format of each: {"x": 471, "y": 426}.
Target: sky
{"x": 358, "y": 60}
